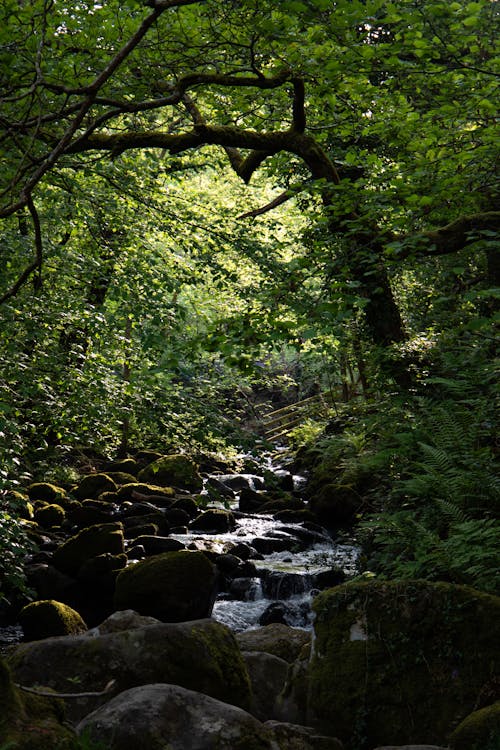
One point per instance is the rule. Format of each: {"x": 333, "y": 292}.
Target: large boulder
{"x": 478, "y": 731}
{"x": 161, "y": 716}
{"x": 46, "y": 618}
{"x": 404, "y": 660}
{"x": 49, "y": 493}
{"x": 175, "y": 470}
{"x": 174, "y": 586}
{"x": 200, "y": 655}
{"x": 90, "y": 542}
{"x": 29, "y": 722}
{"x": 92, "y": 485}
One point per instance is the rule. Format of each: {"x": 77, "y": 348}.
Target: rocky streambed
{"x": 166, "y": 614}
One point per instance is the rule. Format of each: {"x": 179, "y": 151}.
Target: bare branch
{"x": 53, "y": 694}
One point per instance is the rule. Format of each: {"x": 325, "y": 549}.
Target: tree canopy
{"x": 366, "y": 131}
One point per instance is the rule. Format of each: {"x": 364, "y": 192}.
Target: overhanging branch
{"x": 451, "y": 238}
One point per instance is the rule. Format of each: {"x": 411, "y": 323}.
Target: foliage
{"x": 15, "y": 545}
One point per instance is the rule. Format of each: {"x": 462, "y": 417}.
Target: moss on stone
{"x": 121, "y": 477}
{"x": 47, "y": 618}
{"x": 175, "y": 470}
{"x": 400, "y": 662}
{"x": 29, "y": 722}
{"x": 50, "y": 515}
{"x": 478, "y": 731}
{"x": 45, "y": 491}
{"x": 92, "y": 485}
{"x": 88, "y": 543}
{"x": 173, "y": 586}
{"x": 126, "y": 492}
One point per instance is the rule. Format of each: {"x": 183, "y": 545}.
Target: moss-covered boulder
{"x": 90, "y": 542}
{"x": 129, "y": 465}
{"x": 140, "y": 490}
{"x": 175, "y": 470}
{"x": 478, "y": 731}
{"x": 91, "y": 486}
{"x": 90, "y": 513}
{"x": 200, "y": 655}
{"x": 121, "y": 477}
{"x": 47, "y": 618}
{"x": 405, "y": 661}
{"x": 174, "y": 586}
{"x": 49, "y": 493}
{"x": 50, "y": 515}
{"x": 29, "y": 722}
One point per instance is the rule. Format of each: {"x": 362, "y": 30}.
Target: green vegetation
{"x": 151, "y": 298}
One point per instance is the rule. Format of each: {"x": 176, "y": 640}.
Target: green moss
{"x": 92, "y": 485}
{"x": 29, "y": 722}
{"x": 50, "y": 515}
{"x": 174, "y": 586}
{"x": 176, "y": 470}
{"x": 126, "y": 492}
{"x": 478, "y": 731}
{"x": 400, "y": 662}
{"x": 224, "y": 653}
{"x": 47, "y": 618}
{"x": 90, "y": 542}
{"x": 45, "y": 491}
{"x": 121, "y": 477}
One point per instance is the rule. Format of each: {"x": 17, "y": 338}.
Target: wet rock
{"x": 283, "y": 585}
{"x": 238, "y": 482}
{"x": 217, "y": 488}
{"x": 46, "y": 618}
{"x": 214, "y": 521}
{"x": 199, "y": 655}
{"x": 243, "y": 551}
{"x": 278, "y": 639}
{"x": 250, "y": 500}
{"x": 173, "y": 587}
{"x": 156, "y": 545}
{"x": 244, "y": 589}
{"x": 157, "y": 519}
{"x": 146, "y": 529}
{"x": 161, "y": 715}
{"x": 328, "y": 578}
{"x": 227, "y": 563}
{"x": 276, "y": 612}
{"x": 174, "y": 470}
{"x": 267, "y": 545}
